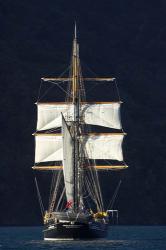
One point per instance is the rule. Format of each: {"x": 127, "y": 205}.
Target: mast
{"x": 76, "y": 103}
{"x": 50, "y": 147}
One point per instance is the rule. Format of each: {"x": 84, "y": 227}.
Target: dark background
{"x": 125, "y": 39}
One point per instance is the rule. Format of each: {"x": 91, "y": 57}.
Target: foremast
{"x": 76, "y": 102}
{"x": 49, "y": 144}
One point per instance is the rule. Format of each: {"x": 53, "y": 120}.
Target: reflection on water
{"x": 80, "y": 245}
{"x": 120, "y": 237}
{"x": 101, "y": 245}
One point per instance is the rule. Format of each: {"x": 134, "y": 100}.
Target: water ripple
{"x": 120, "y": 238}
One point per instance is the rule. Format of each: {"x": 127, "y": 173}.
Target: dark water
{"x": 120, "y": 237}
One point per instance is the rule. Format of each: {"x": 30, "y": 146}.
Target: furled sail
{"x": 97, "y": 146}
{"x": 68, "y": 165}
{"x": 101, "y": 114}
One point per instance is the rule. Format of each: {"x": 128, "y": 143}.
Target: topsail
{"x": 101, "y": 114}
{"x": 52, "y": 147}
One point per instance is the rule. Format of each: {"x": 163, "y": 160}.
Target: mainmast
{"x": 55, "y": 147}
{"x": 76, "y": 103}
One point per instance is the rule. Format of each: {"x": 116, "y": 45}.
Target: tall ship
{"x": 67, "y": 145}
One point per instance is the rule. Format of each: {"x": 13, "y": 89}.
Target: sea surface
{"x": 119, "y": 238}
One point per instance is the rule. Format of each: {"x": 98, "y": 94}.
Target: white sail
{"x": 104, "y": 114}
{"x": 48, "y": 148}
{"x": 101, "y": 114}
{"x": 68, "y": 162}
{"x": 102, "y": 146}
{"x": 49, "y": 115}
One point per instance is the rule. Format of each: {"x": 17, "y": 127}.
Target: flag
{"x": 69, "y": 204}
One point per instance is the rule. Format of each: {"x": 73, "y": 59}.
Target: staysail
{"x": 67, "y": 143}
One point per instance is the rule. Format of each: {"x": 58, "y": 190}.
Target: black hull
{"x": 63, "y": 231}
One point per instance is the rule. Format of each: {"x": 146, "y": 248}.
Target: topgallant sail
{"x": 65, "y": 145}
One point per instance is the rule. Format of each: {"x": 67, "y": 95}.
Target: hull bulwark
{"x": 63, "y": 231}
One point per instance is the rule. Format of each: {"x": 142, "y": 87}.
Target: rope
{"x": 90, "y": 70}
{"x": 39, "y": 90}
{"x": 114, "y": 196}
{"x": 96, "y": 186}
{"x": 55, "y": 192}
{"x": 52, "y": 185}
{"x": 39, "y": 198}
{"x": 117, "y": 89}
{"x": 55, "y": 84}
{"x": 60, "y": 199}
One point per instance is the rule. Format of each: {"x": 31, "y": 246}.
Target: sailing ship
{"x": 66, "y": 146}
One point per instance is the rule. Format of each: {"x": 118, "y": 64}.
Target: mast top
{"x": 75, "y": 31}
